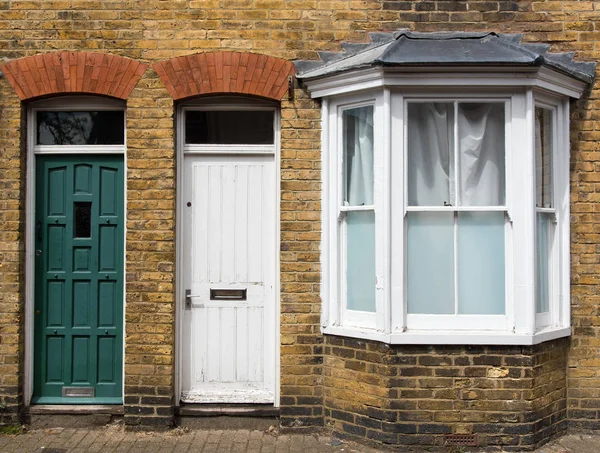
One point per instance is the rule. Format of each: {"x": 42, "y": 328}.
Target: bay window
{"x": 442, "y": 220}
{"x": 445, "y": 163}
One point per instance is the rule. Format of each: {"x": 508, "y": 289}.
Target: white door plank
{"x": 242, "y": 342}
{"x": 215, "y": 205}
{"x": 228, "y": 344}
{"x": 198, "y": 237}
{"x": 255, "y": 344}
{"x": 255, "y": 219}
{"x": 241, "y": 225}
{"x": 214, "y": 351}
{"x": 228, "y": 221}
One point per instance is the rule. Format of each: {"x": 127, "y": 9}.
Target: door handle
{"x": 188, "y": 299}
{"x": 38, "y": 228}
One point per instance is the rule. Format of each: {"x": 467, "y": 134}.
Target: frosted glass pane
{"x": 481, "y": 263}
{"x": 481, "y": 154}
{"x": 543, "y": 158}
{"x": 430, "y": 154}
{"x": 430, "y": 262}
{"x": 542, "y": 278}
{"x": 360, "y": 253}
{"x": 358, "y": 156}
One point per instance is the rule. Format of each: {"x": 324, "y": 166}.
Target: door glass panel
{"x": 83, "y": 219}
{"x": 246, "y": 127}
{"x": 81, "y": 128}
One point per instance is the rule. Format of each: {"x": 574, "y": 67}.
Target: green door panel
{"x": 78, "y": 340}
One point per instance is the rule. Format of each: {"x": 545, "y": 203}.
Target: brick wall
{"x": 12, "y": 256}
{"x": 514, "y": 396}
{"x": 301, "y": 342}
{"x": 155, "y": 30}
{"x": 150, "y": 256}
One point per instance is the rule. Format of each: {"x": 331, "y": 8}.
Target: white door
{"x": 228, "y": 347}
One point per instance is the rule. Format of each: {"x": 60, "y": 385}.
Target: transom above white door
{"x": 227, "y": 296}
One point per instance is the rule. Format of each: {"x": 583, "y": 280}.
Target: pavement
{"x": 113, "y": 438}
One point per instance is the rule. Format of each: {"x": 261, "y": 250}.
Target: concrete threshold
{"x": 76, "y": 409}
{"x": 72, "y": 415}
{"x": 228, "y": 416}
{"x": 237, "y": 410}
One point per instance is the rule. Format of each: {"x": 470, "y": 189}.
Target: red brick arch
{"x": 73, "y": 72}
{"x": 225, "y": 72}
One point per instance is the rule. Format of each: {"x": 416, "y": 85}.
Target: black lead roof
{"x": 406, "y": 48}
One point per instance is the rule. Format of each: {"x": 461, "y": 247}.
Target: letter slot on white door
{"x": 228, "y": 294}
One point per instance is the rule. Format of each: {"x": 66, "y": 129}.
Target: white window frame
{"x": 454, "y": 321}
{"x": 391, "y": 323}
{"x": 559, "y": 251}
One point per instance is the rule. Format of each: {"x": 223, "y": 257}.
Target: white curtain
{"x": 430, "y": 141}
{"x": 431, "y": 162}
{"x": 543, "y": 158}
{"x": 358, "y": 158}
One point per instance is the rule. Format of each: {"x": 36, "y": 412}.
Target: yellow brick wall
{"x": 12, "y": 253}
{"x": 155, "y": 30}
{"x": 150, "y": 253}
{"x": 509, "y": 396}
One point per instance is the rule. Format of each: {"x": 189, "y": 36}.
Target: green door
{"x": 78, "y": 350}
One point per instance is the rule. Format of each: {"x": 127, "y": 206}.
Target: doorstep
{"x": 228, "y": 416}
{"x": 72, "y": 415}
{"x": 238, "y": 410}
{"x": 76, "y": 409}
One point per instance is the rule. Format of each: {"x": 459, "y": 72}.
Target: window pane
{"x": 481, "y": 260}
{"x": 543, "y": 158}
{"x": 430, "y": 154}
{"x": 360, "y": 253}
{"x": 358, "y": 156}
{"x": 246, "y": 127}
{"x": 430, "y": 262}
{"x": 81, "y": 128}
{"x": 83, "y": 219}
{"x": 542, "y": 278}
{"x": 482, "y": 154}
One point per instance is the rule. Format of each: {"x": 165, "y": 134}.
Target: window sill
{"x": 452, "y": 337}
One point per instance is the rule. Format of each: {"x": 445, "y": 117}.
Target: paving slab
{"x": 113, "y": 439}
